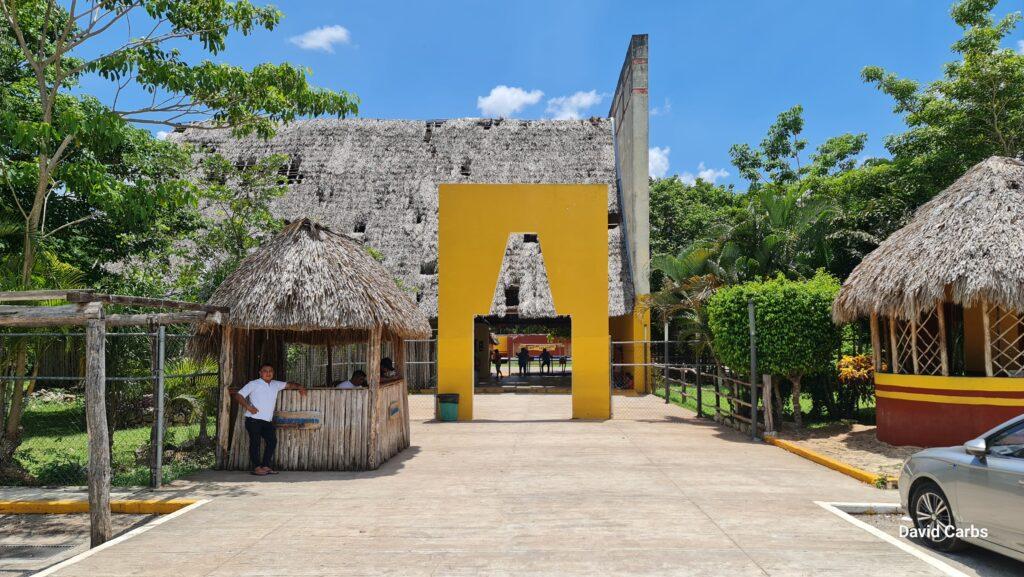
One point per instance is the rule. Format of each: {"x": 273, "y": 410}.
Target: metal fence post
{"x": 664, "y": 361}
{"x": 718, "y": 392}
{"x": 753, "y": 370}
{"x": 158, "y": 473}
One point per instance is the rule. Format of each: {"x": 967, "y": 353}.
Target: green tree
{"x": 974, "y": 111}
{"x": 795, "y": 333}
{"x": 62, "y": 136}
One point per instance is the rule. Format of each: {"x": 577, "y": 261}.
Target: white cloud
{"x": 323, "y": 38}
{"x": 1020, "y": 46}
{"x": 162, "y": 134}
{"x": 657, "y": 161}
{"x": 704, "y": 173}
{"x": 507, "y": 100}
{"x": 572, "y": 107}
{"x": 662, "y": 110}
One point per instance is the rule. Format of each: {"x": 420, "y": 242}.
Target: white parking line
{"x": 137, "y": 531}
{"x": 835, "y": 509}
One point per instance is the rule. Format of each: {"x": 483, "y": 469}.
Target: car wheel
{"x": 931, "y": 512}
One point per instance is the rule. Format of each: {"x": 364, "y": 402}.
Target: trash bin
{"x": 449, "y": 406}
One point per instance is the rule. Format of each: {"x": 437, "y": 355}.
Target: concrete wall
{"x": 630, "y": 110}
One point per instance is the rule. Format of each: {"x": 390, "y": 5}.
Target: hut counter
{"x": 328, "y": 429}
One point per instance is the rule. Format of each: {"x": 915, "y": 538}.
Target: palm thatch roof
{"x": 377, "y": 181}
{"x": 966, "y": 244}
{"x": 324, "y": 285}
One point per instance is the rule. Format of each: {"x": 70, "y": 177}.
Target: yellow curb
{"x": 848, "y": 470}
{"x": 67, "y": 506}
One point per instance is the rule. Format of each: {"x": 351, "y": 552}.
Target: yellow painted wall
{"x": 573, "y": 231}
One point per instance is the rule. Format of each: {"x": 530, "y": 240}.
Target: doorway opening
{"x": 522, "y": 355}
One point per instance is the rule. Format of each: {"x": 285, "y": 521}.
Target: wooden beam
{"x": 224, "y": 400}
{"x": 988, "y": 338}
{"x": 940, "y": 310}
{"x": 84, "y": 296}
{"x": 158, "y": 318}
{"x": 373, "y": 375}
{"x": 40, "y": 295}
{"x": 913, "y": 343}
{"x": 876, "y": 343}
{"x": 96, "y": 426}
{"x": 31, "y": 316}
{"x": 892, "y": 343}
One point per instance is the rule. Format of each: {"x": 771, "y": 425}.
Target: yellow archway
{"x": 571, "y": 221}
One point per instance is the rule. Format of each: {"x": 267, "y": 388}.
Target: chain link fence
{"x": 151, "y": 379}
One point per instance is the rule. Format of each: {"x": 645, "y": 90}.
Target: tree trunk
{"x": 798, "y": 417}
{"x": 12, "y": 430}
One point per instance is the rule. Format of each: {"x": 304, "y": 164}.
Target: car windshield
{"x": 1009, "y": 443}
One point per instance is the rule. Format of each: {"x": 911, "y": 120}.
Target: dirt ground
{"x": 853, "y": 444}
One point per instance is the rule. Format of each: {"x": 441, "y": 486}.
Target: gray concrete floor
{"x": 522, "y": 491}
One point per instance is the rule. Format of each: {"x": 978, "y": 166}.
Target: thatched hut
{"x": 945, "y": 296}
{"x": 310, "y": 287}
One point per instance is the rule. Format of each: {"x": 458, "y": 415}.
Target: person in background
{"x": 387, "y": 368}
{"x": 496, "y": 361}
{"x": 358, "y": 379}
{"x": 545, "y": 361}
{"x": 524, "y": 361}
{"x": 562, "y": 361}
{"x": 259, "y": 398}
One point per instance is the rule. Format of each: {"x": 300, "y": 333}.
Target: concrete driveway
{"x": 523, "y": 492}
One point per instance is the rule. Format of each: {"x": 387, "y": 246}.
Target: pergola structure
{"x": 945, "y": 299}
{"x": 89, "y": 309}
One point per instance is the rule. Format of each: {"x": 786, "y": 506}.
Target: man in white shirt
{"x": 358, "y": 379}
{"x": 258, "y": 399}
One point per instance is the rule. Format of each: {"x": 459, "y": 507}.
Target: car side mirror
{"x": 976, "y": 447}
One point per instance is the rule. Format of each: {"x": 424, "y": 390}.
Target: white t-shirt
{"x": 263, "y": 396}
{"x": 346, "y": 385}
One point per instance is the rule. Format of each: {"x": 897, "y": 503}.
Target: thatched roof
{"x": 967, "y": 242}
{"x": 308, "y": 279}
{"x": 377, "y": 181}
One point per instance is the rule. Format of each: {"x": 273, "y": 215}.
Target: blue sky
{"x": 719, "y": 71}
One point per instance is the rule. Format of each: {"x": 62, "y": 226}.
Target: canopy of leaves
{"x": 793, "y": 319}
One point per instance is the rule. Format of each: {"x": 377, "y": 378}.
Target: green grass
{"x": 865, "y": 413}
{"x": 54, "y": 448}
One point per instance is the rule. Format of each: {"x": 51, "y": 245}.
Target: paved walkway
{"x": 663, "y": 494}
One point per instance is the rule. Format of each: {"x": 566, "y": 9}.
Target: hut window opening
{"x": 245, "y": 164}
{"x": 419, "y": 217}
{"x": 429, "y": 267}
{"x": 614, "y": 220}
{"x": 360, "y": 226}
{"x": 464, "y": 170}
{"x": 512, "y": 296}
{"x": 530, "y": 239}
{"x": 419, "y": 296}
{"x": 290, "y": 171}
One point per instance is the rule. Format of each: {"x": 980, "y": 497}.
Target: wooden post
{"x": 96, "y": 426}
{"x": 330, "y": 366}
{"x": 988, "y": 338}
{"x": 769, "y": 417}
{"x": 895, "y": 352}
{"x": 913, "y": 341}
{"x": 373, "y": 376}
{"x": 224, "y": 407}
{"x": 940, "y": 311}
{"x": 876, "y": 343}
{"x": 399, "y": 346}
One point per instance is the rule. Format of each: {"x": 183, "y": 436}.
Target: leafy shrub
{"x": 795, "y": 333}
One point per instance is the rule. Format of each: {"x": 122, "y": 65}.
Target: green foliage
{"x": 795, "y": 333}
{"x": 683, "y": 213}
